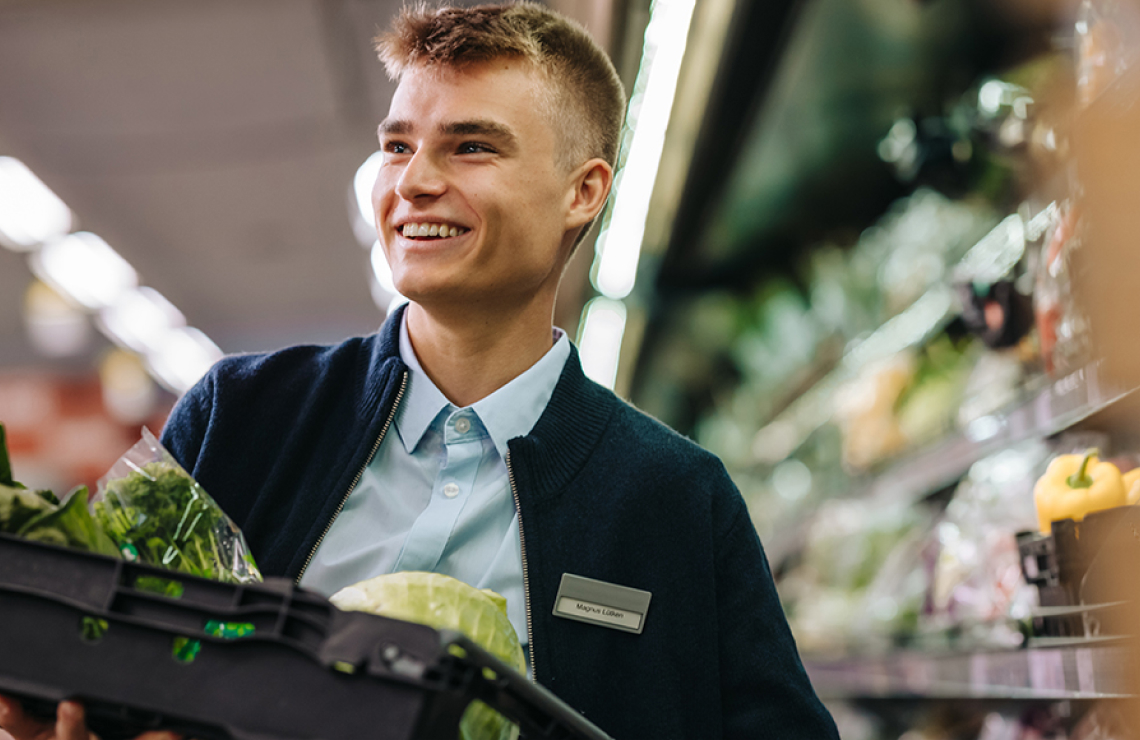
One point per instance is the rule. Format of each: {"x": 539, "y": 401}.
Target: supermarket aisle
{"x": 925, "y": 389}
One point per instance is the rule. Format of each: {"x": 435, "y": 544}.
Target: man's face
{"x": 469, "y": 157}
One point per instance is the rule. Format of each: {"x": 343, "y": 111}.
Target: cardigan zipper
{"x": 359, "y": 475}
{"x": 525, "y": 572}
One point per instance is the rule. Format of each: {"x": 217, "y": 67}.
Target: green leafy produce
{"x": 443, "y": 602}
{"x": 71, "y": 525}
{"x": 18, "y": 506}
{"x": 39, "y": 515}
{"x": 5, "y": 462}
{"x": 159, "y": 515}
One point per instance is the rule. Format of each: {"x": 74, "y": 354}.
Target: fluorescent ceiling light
{"x": 140, "y": 319}
{"x": 600, "y": 342}
{"x": 650, "y": 105}
{"x": 86, "y": 269}
{"x": 30, "y": 213}
{"x": 181, "y": 357}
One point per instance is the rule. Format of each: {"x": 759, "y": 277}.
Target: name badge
{"x": 606, "y": 604}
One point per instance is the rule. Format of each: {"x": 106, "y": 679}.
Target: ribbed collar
{"x": 563, "y": 438}
{"x": 567, "y": 432}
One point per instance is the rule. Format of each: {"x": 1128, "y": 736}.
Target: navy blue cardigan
{"x": 604, "y": 491}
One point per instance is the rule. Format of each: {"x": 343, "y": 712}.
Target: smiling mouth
{"x": 428, "y": 231}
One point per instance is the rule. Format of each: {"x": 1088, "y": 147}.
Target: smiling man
{"x": 477, "y": 212}
{"x": 463, "y": 437}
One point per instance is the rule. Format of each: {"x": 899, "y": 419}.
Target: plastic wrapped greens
{"x": 157, "y": 514}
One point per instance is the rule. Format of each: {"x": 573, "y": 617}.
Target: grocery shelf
{"x": 1086, "y": 671}
{"x": 1052, "y": 408}
{"x": 993, "y": 256}
{"x": 1049, "y": 408}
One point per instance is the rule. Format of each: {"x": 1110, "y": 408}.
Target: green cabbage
{"x": 442, "y": 602}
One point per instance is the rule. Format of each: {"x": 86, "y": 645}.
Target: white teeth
{"x": 426, "y": 229}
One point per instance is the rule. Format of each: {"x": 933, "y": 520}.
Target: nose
{"x": 421, "y": 176}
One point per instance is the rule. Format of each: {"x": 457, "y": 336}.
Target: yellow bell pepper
{"x": 1075, "y": 485}
{"x": 1132, "y": 487}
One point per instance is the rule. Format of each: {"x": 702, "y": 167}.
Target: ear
{"x": 590, "y": 186}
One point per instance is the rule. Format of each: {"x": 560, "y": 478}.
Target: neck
{"x": 469, "y": 354}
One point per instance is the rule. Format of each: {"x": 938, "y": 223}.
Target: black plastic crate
{"x": 145, "y": 648}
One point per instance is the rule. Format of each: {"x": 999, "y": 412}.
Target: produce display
{"x": 920, "y": 421}
{"x": 1102, "y": 722}
{"x": 443, "y": 602}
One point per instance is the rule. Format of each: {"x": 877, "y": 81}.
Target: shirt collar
{"x": 509, "y": 412}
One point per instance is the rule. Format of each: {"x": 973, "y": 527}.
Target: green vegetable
{"x": 39, "y": 515}
{"x": 70, "y": 525}
{"x": 443, "y": 602}
{"x": 161, "y": 516}
{"x": 18, "y": 506}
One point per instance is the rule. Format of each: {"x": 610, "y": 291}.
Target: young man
{"x": 464, "y": 438}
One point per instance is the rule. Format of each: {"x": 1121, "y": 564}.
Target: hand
{"x": 70, "y": 724}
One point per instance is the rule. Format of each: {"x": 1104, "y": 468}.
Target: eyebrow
{"x": 475, "y": 127}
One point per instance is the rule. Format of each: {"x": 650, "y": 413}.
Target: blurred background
{"x": 878, "y": 255}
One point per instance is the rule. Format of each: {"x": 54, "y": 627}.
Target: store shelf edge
{"x": 1089, "y": 671}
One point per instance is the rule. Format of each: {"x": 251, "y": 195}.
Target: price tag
{"x": 1047, "y": 670}
{"x": 1069, "y": 394}
{"x": 916, "y": 674}
{"x": 979, "y": 681}
{"x": 1086, "y": 671}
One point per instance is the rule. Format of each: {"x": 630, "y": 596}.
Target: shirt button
{"x": 462, "y": 425}
{"x": 451, "y": 490}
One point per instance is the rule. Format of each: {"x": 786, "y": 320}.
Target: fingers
{"x": 19, "y": 724}
{"x": 71, "y": 722}
{"x": 4, "y": 735}
{"x": 72, "y": 725}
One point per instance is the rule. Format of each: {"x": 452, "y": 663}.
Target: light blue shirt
{"x": 437, "y": 497}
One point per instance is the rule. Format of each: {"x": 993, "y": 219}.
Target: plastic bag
{"x": 157, "y": 514}
{"x": 977, "y": 586}
{"x": 1062, "y": 327}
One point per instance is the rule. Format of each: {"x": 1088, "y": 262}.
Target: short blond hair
{"x": 587, "y": 101}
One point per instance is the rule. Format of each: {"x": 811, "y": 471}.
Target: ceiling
{"x": 212, "y": 144}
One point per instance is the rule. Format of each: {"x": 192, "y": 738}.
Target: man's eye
{"x": 474, "y": 147}
{"x": 396, "y": 147}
